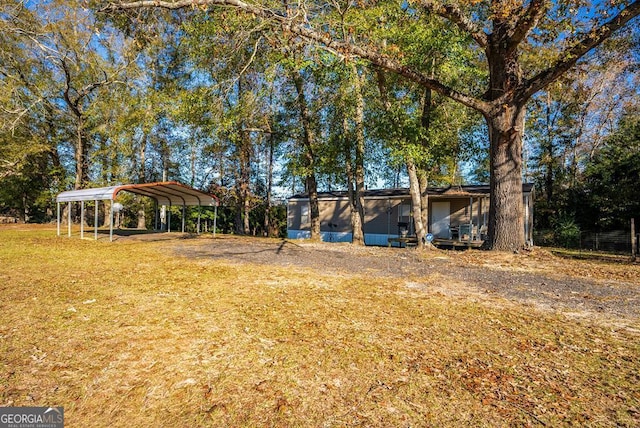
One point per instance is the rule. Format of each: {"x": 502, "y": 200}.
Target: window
{"x": 304, "y": 214}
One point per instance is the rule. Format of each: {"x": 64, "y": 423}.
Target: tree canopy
{"x": 525, "y": 47}
{"x": 249, "y": 99}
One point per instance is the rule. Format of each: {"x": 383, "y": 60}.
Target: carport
{"x": 169, "y": 193}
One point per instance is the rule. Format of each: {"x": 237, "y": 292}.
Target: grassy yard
{"x": 124, "y": 334}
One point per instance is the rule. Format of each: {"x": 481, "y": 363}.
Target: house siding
{"x": 381, "y": 216}
{"x": 294, "y": 212}
{"x": 383, "y": 213}
{"x": 335, "y": 216}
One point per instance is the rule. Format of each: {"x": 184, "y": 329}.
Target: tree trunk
{"x": 238, "y": 216}
{"x": 242, "y": 185}
{"x": 424, "y": 200}
{"x": 82, "y": 156}
{"x": 505, "y": 123}
{"x": 104, "y": 161}
{"x": 247, "y": 212}
{"x": 425, "y": 121}
{"x": 308, "y": 142}
{"x": 314, "y": 207}
{"x": 548, "y": 156}
{"x": 416, "y": 203}
{"x": 106, "y": 206}
{"x": 142, "y": 178}
{"x": 142, "y": 220}
{"x": 26, "y": 212}
{"x": 354, "y": 153}
{"x": 268, "y": 229}
{"x": 165, "y": 158}
{"x": 357, "y": 236}
{"x": 142, "y": 154}
{"x": 506, "y": 224}
{"x": 359, "y": 153}
{"x": 82, "y": 163}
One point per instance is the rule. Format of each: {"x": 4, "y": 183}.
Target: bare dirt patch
{"x": 536, "y": 278}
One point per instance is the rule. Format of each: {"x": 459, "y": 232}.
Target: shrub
{"x": 567, "y": 233}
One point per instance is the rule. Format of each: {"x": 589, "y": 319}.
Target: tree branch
{"x": 595, "y": 37}
{"x": 73, "y": 104}
{"x": 305, "y": 31}
{"x": 535, "y": 11}
{"x": 8, "y": 169}
{"x": 455, "y": 15}
{"x": 246, "y": 66}
{"x": 182, "y": 4}
{"x": 387, "y": 63}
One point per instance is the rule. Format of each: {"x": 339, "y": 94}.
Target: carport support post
{"x": 69, "y": 219}
{"x": 183, "y": 211}
{"x": 169, "y": 219}
{"x": 199, "y": 210}
{"x": 111, "y": 222}
{"x": 58, "y": 218}
{"x": 215, "y": 219}
{"x": 81, "y": 219}
{"x": 95, "y": 221}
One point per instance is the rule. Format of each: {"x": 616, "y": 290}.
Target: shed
{"x": 170, "y": 193}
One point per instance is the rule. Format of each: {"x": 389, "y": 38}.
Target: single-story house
{"x": 457, "y": 214}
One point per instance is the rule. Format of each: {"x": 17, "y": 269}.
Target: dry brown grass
{"x": 124, "y": 335}
{"x": 614, "y": 268}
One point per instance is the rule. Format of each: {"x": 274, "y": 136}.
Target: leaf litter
{"x": 209, "y": 334}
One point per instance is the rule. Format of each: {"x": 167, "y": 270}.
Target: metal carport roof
{"x": 169, "y": 193}
{"x": 165, "y": 193}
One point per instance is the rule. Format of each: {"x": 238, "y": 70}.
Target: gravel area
{"x": 435, "y": 271}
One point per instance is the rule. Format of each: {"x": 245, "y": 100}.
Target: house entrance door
{"x": 440, "y": 219}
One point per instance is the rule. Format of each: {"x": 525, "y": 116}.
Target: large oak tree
{"x": 506, "y": 32}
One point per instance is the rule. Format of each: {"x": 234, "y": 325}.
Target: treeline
{"x": 254, "y": 112}
{"x": 596, "y": 190}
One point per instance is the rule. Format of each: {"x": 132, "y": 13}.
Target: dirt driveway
{"x": 540, "y": 279}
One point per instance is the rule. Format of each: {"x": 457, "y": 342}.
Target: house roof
{"x": 165, "y": 193}
{"x": 453, "y": 191}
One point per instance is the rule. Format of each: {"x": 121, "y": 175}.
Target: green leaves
{"x": 611, "y": 178}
